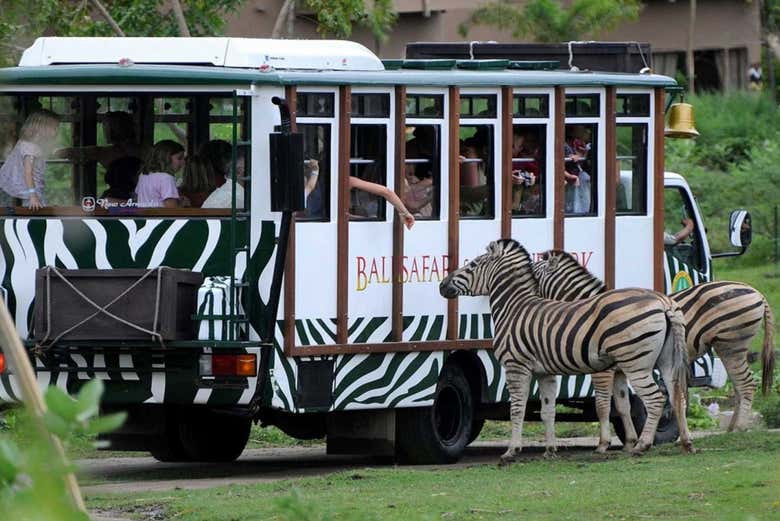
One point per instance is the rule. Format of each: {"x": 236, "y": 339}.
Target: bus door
{"x": 480, "y": 182}
{"x": 532, "y": 160}
{"x": 583, "y": 178}
{"x": 425, "y": 195}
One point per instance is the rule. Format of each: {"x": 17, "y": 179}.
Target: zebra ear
{"x": 493, "y": 248}
{"x": 552, "y": 261}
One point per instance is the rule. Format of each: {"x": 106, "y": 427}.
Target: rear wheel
{"x": 167, "y": 447}
{"x": 440, "y": 433}
{"x": 209, "y": 436}
{"x": 667, "y": 431}
{"x": 476, "y": 428}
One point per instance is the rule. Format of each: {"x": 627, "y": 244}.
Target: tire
{"x": 476, "y": 428}
{"x": 209, "y": 436}
{"x": 440, "y": 433}
{"x": 167, "y": 447}
{"x": 667, "y": 431}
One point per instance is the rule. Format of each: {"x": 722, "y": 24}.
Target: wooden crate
{"x": 177, "y": 303}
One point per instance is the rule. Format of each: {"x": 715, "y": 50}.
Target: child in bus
{"x": 22, "y": 174}
{"x": 197, "y": 183}
{"x": 121, "y": 178}
{"x": 156, "y": 186}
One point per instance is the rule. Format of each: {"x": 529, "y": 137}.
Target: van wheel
{"x": 167, "y": 447}
{"x": 667, "y": 431}
{"x": 440, "y": 433}
{"x": 209, "y": 436}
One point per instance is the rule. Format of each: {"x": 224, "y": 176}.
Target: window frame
{"x": 597, "y": 199}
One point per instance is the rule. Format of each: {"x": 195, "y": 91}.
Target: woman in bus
{"x": 157, "y": 185}
{"x": 119, "y": 130}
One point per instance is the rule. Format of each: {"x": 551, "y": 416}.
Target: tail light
{"x": 228, "y": 365}
{"x": 2, "y": 362}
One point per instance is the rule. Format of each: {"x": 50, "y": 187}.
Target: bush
{"x": 770, "y": 410}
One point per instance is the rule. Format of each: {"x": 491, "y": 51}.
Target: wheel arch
{"x": 472, "y": 368}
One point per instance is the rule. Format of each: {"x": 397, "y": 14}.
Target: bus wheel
{"x": 667, "y": 431}
{"x": 209, "y": 436}
{"x": 437, "y": 434}
{"x": 476, "y": 428}
{"x": 167, "y": 447}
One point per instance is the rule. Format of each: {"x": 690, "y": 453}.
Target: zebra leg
{"x": 602, "y": 386}
{"x": 518, "y": 379}
{"x": 623, "y": 407}
{"x": 654, "y": 400}
{"x": 734, "y": 358}
{"x": 547, "y": 394}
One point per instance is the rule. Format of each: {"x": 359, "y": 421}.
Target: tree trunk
{"x": 689, "y": 51}
{"x": 178, "y": 13}
{"x": 281, "y": 18}
{"x": 108, "y": 18}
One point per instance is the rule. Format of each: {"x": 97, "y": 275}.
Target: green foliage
{"x": 770, "y": 410}
{"x": 338, "y": 17}
{"x": 698, "y": 417}
{"x": 21, "y": 24}
{"x": 548, "y": 21}
{"x": 32, "y": 475}
{"x": 733, "y": 164}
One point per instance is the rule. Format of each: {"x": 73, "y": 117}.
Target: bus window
{"x": 425, "y": 106}
{"x": 684, "y": 244}
{"x": 172, "y": 119}
{"x": 580, "y": 169}
{"x": 476, "y": 171}
{"x": 528, "y": 170}
{"x": 368, "y": 161}
{"x": 423, "y": 171}
{"x": 316, "y": 147}
{"x": 632, "y": 169}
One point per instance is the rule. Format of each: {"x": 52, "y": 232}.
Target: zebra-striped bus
{"x": 324, "y": 318}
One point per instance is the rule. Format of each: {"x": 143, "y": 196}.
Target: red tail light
{"x": 228, "y": 365}
{"x": 2, "y": 362}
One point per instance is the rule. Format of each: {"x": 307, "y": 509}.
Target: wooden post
{"x": 506, "y": 163}
{"x": 658, "y": 191}
{"x": 453, "y": 229}
{"x": 610, "y": 201}
{"x": 342, "y": 222}
{"x": 397, "y": 322}
{"x": 291, "y": 95}
{"x": 557, "y": 175}
{"x": 31, "y": 395}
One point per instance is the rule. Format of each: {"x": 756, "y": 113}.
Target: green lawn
{"x": 733, "y": 476}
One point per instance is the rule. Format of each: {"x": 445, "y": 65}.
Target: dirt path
{"x": 127, "y": 475}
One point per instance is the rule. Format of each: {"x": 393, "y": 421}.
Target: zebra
{"x": 632, "y": 329}
{"x": 721, "y": 315}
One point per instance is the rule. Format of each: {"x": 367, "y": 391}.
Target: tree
{"x": 339, "y": 17}
{"x": 549, "y": 21}
{"x": 20, "y": 24}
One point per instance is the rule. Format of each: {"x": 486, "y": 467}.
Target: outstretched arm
{"x": 389, "y": 195}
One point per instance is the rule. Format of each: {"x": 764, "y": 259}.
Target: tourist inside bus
{"x": 197, "y": 182}
{"x": 474, "y": 161}
{"x": 119, "y": 130}
{"x": 121, "y": 178}
{"x": 418, "y": 181}
{"x": 357, "y": 184}
{"x": 219, "y": 153}
{"x": 156, "y": 186}
{"x": 578, "y": 182}
{"x": 22, "y": 173}
{"x": 222, "y": 196}
{"x": 525, "y": 172}
{"x": 684, "y": 232}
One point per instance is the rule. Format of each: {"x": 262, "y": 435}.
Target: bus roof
{"x": 144, "y": 74}
{"x": 220, "y": 52}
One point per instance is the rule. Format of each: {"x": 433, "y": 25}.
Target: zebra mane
{"x": 562, "y": 277}
{"x": 517, "y": 257}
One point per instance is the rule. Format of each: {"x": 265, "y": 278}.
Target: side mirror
{"x": 286, "y": 172}
{"x": 740, "y": 229}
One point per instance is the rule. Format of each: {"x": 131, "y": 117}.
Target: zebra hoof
{"x": 687, "y": 448}
{"x": 550, "y": 453}
{"x": 601, "y": 449}
{"x": 505, "y": 461}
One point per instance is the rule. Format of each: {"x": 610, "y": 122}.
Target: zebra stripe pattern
{"x": 722, "y": 315}
{"x": 632, "y": 329}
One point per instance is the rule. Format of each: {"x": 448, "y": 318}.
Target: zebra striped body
{"x": 721, "y": 315}
{"x": 634, "y": 330}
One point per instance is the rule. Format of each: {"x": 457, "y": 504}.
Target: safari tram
{"x": 305, "y": 300}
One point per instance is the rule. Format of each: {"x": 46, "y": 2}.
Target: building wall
{"x": 720, "y": 24}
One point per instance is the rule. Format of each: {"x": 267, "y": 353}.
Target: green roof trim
{"x": 57, "y": 76}
{"x": 392, "y": 65}
{"x": 429, "y": 65}
{"x": 525, "y": 65}
{"x": 482, "y": 65}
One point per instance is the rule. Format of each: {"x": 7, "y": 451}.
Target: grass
{"x": 734, "y": 476}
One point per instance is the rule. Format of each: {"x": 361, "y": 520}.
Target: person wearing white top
{"x": 222, "y": 196}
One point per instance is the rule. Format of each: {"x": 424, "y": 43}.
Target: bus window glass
{"x": 371, "y": 105}
{"x": 478, "y": 106}
{"x": 685, "y": 247}
{"x": 632, "y": 169}
{"x": 580, "y": 169}
{"x": 221, "y": 118}
{"x": 316, "y": 154}
{"x": 118, "y": 135}
{"x": 528, "y": 170}
{"x": 633, "y": 105}
{"x": 476, "y": 171}
{"x": 582, "y": 105}
{"x": 425, "y": 106}
{"x": 530, "y": 106}
{"x": 172, "y": 119}
{"x": 423, "y": 171}
{"x": 315, "y": 105}
{"x": 368, "y": 153}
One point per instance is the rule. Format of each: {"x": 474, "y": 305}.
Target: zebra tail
{"x": 680, "y": 356}
{"x": 768, "y": 351}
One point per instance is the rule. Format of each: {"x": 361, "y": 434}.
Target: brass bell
{"x": 681, "y": 122}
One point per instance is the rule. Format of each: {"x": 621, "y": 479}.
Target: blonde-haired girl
{"x": 157, "y": 185}
{"x": 197, "y": 182}
{"x": 22, "y": 174}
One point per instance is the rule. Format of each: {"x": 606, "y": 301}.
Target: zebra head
{"x": 562, "y": 277}
{"x": 505, "y": 258}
